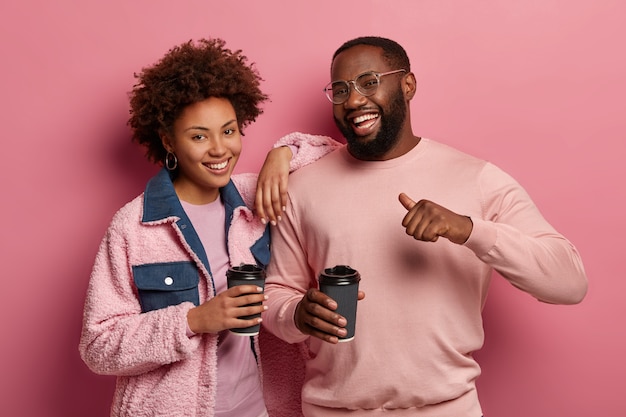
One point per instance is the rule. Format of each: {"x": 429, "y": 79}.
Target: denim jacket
{"x": 150, "y": 270}
{"x": 163, "y": 284}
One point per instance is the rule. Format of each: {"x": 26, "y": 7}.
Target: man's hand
{"x": 427, "y": 221}
{"x": 315, "y": 315}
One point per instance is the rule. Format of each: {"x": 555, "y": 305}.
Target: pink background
{"x": 536, "y": 86}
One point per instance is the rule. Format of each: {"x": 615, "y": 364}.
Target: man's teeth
{"x": 364, "y": 118}
{"x": 218, "y": 166}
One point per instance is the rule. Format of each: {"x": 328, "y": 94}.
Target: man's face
{"x": 371, "y": 125}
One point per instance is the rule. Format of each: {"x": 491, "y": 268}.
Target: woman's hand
{"x": 222, "y": 311}
{"x": 271, "y": 189}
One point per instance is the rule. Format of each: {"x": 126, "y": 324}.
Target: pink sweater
{"x": 160, "y": 370}
{"x": 420, "y": 321}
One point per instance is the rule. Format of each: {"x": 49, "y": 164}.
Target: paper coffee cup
{"x": 246, "y": 274}
{"x": 341, "y": 283}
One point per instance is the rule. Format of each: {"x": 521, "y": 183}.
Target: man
{"x": 420, "y": 321}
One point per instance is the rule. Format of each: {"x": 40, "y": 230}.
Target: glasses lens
{"x": 339, "y": 91}
{"x": 367, "y": 83}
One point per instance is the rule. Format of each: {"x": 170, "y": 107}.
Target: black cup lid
{"x": 243, "y": 271}
{"x": 339, "y": 275}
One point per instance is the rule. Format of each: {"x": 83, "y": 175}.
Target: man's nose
{"x": 355, "y": 99}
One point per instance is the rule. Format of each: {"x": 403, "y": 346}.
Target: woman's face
{"x": 207, "y": 143}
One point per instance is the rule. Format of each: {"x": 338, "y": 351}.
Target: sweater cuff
{"x": 286, "y": 317}
{"x": 190, "y": 333}
{"x": 483, "y": 237}
{"x": 185, "y": 307}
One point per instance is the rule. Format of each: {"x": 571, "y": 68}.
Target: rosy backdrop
{"x": 537, "y": 87}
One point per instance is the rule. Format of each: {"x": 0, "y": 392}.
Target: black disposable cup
{"x": 341, "y": 283}
{"x": 246, "y": 274}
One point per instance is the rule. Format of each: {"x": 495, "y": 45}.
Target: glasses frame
{"x": 328, "y": 90}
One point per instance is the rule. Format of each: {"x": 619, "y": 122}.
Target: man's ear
{"x": 409, "y": 86}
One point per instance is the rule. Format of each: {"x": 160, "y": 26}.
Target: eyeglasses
{"x": 365, "y": 84}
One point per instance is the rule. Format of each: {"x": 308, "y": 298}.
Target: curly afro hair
{"x": 189, "y": 73}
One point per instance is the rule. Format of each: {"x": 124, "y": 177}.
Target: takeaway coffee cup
{"x": 341, "y": 283}
{"x": 246, "y": 274}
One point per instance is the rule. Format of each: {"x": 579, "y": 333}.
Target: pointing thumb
{"x": 406, "y": 201}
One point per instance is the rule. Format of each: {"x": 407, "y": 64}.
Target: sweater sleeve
{"x": 117, "y": 339}
{"x": 309, "y": 148}
{"x": 288, "y": 278}
{"x": 306, "y": 149}
{"x": 515, "y": 239}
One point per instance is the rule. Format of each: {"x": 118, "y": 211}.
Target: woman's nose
{"x": 217, "y": 147}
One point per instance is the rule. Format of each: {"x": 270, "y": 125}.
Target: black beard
{"x": 388, "y": 135}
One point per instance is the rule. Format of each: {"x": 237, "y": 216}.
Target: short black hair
{"x": 392, "y": 51}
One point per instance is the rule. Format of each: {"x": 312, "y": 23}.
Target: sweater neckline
{"x": 410, "y": 156}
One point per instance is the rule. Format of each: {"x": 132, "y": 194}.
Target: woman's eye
{"x": 229, "y": 132}
{"x": 198, "y": 137}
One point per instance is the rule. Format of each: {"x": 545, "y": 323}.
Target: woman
{"x": 158, "y": 310}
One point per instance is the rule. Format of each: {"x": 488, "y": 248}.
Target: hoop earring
{"x": 171, "y": 162}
